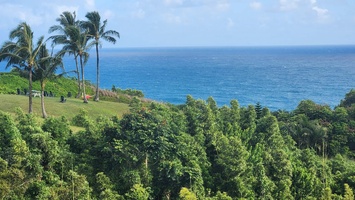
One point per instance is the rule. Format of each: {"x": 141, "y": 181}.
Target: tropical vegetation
{"x": 191, "y": 151}
{"x": 196, "y": 150}
{"x": 22, "y": 52}
{"x": 74, "y": 38}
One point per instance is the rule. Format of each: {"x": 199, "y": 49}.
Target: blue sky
{"x": 169, "y": 23}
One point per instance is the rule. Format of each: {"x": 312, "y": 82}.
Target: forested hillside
{"x": 192, "y": 151}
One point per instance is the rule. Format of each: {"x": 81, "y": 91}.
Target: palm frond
{"x": 55, "y": 28}
{"x": 103, "y": 27}
{"x": 109, "y": 39}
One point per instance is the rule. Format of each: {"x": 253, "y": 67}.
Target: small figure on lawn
{"x": 62, "y": 99}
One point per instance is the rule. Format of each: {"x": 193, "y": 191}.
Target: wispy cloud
{"x": 322, "y": 13}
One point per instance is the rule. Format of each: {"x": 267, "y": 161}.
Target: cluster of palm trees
{"x": 75, "y": 38}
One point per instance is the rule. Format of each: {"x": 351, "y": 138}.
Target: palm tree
{"x": 65, "y": 20}
{"x": 21, "y": 51}
{"x": 96, "y": 31}
{"x": 48, "y": 65}
{"x": 77, "y": 41}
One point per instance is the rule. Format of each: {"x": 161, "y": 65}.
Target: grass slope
{"x": 9, "y": 102}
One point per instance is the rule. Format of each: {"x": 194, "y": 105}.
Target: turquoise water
{"x": 277, "y": 77}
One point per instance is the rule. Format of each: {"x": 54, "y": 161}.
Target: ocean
{"x": 276, "y": 77}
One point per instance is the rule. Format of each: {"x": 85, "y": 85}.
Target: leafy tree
{"x": 43, "y": 145}
{"x": 97, "y": 31}
{"x": 59, "y": 129}
{"x": 196, "y": 166}
{"x": 338, "y": 138}
{"x": 37, "y": 190}
{"x": 276, "y": 159}
{"x": 232, "y": 157}
{"x": 327, "y": 194}
{"x": 106, "y": 187}
{"x": 79, "y": 187}
{"x": 248, "y": 119}
{"x": 235, "y": 116}
{"x": 8, "y": 132}
{"x": 348, "y": 194}
{"x": 137, "y": 192}
{"x": 185, "y": 194}
{"x": 213, "y": 106}
{"x": 306, "y": 179}
{"x": 313, "y": 110}
{"x": 263, "y": 185}
{"x": 22, "y": 52}
{"x": 220, "y": 196}
{"x": 349, "y": 99}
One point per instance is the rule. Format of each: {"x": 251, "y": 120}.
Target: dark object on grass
{"x": 62, "y": 99}
{"x": 25, "y": 91}
{"x": 18, "y": 91}
{"x": 69, "y": 94}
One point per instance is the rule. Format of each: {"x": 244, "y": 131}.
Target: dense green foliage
{"x": 192, "y": 151}
{"x": 10, "y": 82}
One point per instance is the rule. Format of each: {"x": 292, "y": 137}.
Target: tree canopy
{"x": 192, "y": 151}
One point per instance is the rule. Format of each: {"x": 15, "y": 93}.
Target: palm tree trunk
{"x": 44, "y": 114}
{"x": 30, "y": 90}
{"x": 97, "y": 72}
{"x": 78, "y": 74}
{"x": 82, "y": 79}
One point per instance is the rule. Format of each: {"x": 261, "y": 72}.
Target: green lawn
{"x": 55, "y": 108}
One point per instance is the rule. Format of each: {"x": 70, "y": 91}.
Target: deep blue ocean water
{"x": 277, "y": 77}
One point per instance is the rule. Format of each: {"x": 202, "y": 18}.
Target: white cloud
{"x": 321, "y": 12}
{"x": 255, "y": 5}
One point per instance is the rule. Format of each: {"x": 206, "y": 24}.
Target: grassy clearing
{"x": 8, "y": 103}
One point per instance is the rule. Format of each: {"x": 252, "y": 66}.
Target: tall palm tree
{"x": 21, "y": 51}
{"x": 65, "y": 20}
{"x": 77, "y": 41}
{"x": 48, "y": 65}
{"x": 96, "y": 31}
